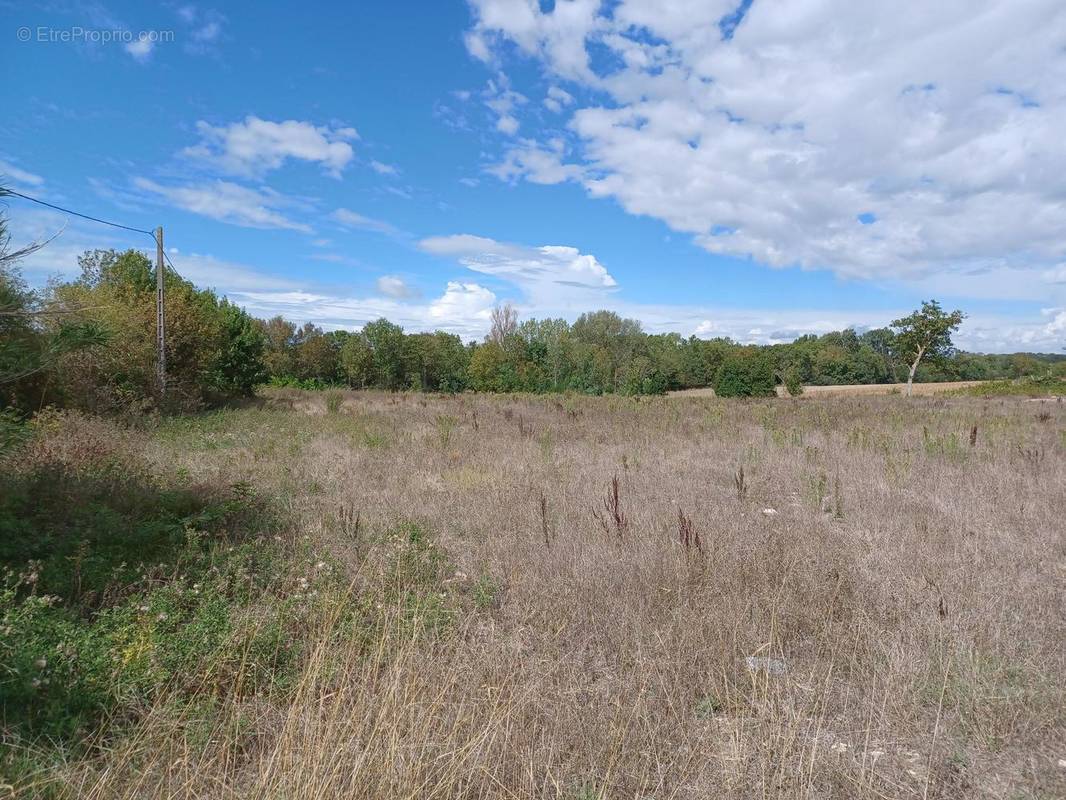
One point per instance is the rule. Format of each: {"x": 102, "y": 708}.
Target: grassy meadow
{"x": 374, "y": 595}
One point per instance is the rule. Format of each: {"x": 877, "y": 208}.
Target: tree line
{"x": 90, "y": 342}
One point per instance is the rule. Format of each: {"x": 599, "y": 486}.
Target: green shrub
{"x": 116, "y": 587}
{"x": 793, "y": 381}
{"x": 746, "y": 373}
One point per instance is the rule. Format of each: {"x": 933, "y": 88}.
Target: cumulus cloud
{"x": 227, "y": 202}
{"x": 394, "y": 286}
{"x": 503, "y": 101}
{"x": 463, "y": 309}
{"x": 769, "y": 132}
{"x": 557, "y": 98}
{"x": 549, "y": 274}
{"x": 256, "y": 146}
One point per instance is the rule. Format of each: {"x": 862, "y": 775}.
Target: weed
{"x": 612, "y": 518}
{"x": 687, "y": 534}
{"x": 545, "y": 529}
{"x": 485, "y": 592}
{"x": 740, "y": 483}
{"x": 446, "y": 425}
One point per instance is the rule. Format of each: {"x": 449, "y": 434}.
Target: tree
{"x": 316, "y": 354}
{"x": 357, "y": 360}
{"x": 925, "y": 334}
{"x": 386, "y": 341}
{"x": 504, "y": 323}
{"x": 34, "y": 334}
{"x": 238, "y": 367}
{"x": 280, "y": 356}
{"x": 745, "y": 373}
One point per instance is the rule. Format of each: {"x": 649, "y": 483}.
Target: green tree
{"x": 745, "y": 373}
{"x": 357, "y": 360}
{"x": 386, "y": 341}
{"x": 238, "y": 366}
{"x": 279, "y": 353}
{"x": 926, "y": 333}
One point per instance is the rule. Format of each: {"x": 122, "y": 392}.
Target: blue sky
{"x": 758, "y": 170}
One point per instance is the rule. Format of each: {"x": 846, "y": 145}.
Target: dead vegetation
{"x": 674, "y": 598}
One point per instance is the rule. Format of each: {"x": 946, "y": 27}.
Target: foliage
{"x": 214, "y": 351}
{"x": 926, "y": 333}
{"x": 1041, "y": 386}
{"x": 117, "y": 584}
{"x": 745, "y": 373}
{"x": 793, "y": 381}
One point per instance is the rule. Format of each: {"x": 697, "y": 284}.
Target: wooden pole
{"x": 160, "y": 316}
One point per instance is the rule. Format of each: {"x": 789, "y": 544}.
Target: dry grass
{"x": 880, "y": 613}
{"x": 850, "y": 390}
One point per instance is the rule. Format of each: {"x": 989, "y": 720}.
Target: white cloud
{"x": 10, "y": 172}
{"x": 256, "y": 146}
{"x": 943, "y": 122}
{"x": 227, "y": 202}
{"x": 468, "y": 302}
{"x": 557, "y": 98}
{"x": 394, "y": 286}
{"x": 557, "y": 37}
{"x": 140, "y": 48}
{"x": 352, "y": 219}
{"x": 548, "y": 275}
{"x": 383, "y": 169}
{"x": 205, "y": 28}
{"x": 463, "y": 309}
{"x": 228, "y": 276}
{"x": 536, "y": 164}
{"x": 503, "y": 101}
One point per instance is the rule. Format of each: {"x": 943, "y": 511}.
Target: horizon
{"x": 740, "y": 169}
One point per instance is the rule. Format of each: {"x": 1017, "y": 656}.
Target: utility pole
{"x": 160, "y": 317}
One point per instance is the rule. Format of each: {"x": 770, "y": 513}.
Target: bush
{"x": 793, "y": 381}
{"x": 746, "y": 373}
{"x": 116, "y": 585}
{"x": 214, "y": 350}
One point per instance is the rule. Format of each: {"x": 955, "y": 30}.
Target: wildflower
{"x": 769, "y": 511}
{"x": 162, "y": 616}
{"x": 41, "y": 663}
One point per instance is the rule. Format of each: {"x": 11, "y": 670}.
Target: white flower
{"x": 769, "y": 511}
{"x": 41, "y": 663}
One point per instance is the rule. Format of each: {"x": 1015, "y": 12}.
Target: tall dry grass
{"x": 880, "y": 613}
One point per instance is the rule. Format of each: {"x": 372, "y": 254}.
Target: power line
{"x": 161, "y": 254}
{"x": 90, "y": 218}
{"x": 77, "y": 213}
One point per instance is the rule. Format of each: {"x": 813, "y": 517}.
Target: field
{"x": 576, "y": 597}
{"x": 923, "y": 389}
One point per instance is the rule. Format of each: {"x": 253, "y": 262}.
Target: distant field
{"x": 852, "y": 389}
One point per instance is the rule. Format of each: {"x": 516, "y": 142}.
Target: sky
{"x": 759, "y": 169}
